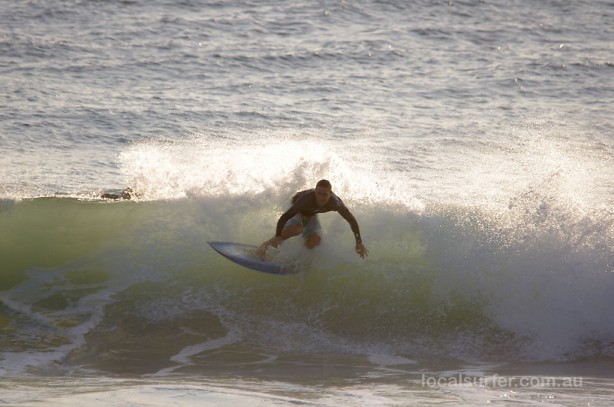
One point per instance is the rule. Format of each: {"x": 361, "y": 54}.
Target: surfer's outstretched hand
{"x": 362, "y": 250}
{"x": 275, "y": 241}
{"x": 260, "y": 251}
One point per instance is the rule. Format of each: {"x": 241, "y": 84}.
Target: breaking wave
{"x": 131, "y": 286}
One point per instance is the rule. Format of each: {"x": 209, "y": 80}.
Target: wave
{"x": 133, "y": 287}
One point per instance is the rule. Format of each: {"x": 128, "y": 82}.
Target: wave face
{"x": 132, "y": 287}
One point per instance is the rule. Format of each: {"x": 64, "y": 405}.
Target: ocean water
{"x": 473, "y": 141}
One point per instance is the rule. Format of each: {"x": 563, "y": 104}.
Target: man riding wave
{"x": 302, "y": 218}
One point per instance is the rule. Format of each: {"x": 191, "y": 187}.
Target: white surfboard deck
{"x": 244, "y": 255}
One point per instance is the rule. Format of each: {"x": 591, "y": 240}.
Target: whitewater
{"x": 472, "y": 141}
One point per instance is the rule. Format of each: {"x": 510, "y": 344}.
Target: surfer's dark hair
{"x": 324, "y": 183}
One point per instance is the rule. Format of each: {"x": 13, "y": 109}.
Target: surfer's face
{"x": 322, "y": 195}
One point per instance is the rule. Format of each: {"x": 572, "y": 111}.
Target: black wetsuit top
{"x": 305, "y": 203}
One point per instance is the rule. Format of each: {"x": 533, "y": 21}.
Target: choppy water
{"x": 472, "y": 140}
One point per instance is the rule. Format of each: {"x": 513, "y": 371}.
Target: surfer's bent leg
{"x": 312, "y": 231}
{"x": 293, "y": 227}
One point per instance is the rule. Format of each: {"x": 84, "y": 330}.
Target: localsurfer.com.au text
{"x": 497, "y": 381}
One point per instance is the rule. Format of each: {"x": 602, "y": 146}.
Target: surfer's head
{"x": 324, "y": 183}
{"x": 323, "y": 192}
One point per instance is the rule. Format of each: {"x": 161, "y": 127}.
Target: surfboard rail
{"x": 243, "y": 255}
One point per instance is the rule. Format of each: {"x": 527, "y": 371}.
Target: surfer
{"x": 302, "y": 218}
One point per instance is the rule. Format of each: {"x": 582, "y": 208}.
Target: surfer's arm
{"x": 304, "y": 201}
{"x": 349, "y": 217}
{"x": 283, "y": 219}
{"x": 276, "y": 240}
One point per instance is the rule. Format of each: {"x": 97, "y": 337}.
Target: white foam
{"x": 383, "y": 359}
{"x": 185, "y": 355}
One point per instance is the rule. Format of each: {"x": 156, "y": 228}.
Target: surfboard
{"x": 243, "y": 255}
